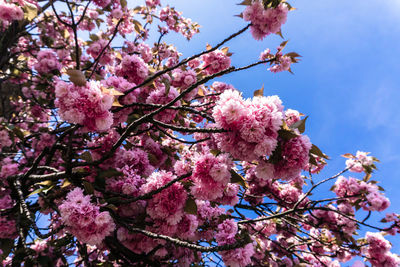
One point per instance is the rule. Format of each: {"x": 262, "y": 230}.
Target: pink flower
{"x": 47, "y": 62}
{"x": 265, "y": 21}
{"x": 357, "y": 164}
{"x": 252, "y": 125}
{"x": 87, "y": 105}
{"x": 295, "y": 157}
{"x": 226, "y": 232}
{"x": 5, "y": 139}
{"x": 239, "y": 257}
{"x": 96, "y": 48}
{"x": 168, "y": 204}
{"x": 10, "y": 12}
{"x": 7, "y": 228}
{"x": 102, "y": 3}
{"x": 39, "y": 246}
{"x": 215, "y": 61}
{"x": 159, "y": 96}
{"x": 210, "y": 175}
{"x": 84, "y": 220}
{"x": 291, "y": 116}
{"x": 133, "y": 68}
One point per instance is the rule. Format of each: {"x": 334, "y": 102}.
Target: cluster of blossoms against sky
{"x": 136, "y": 156}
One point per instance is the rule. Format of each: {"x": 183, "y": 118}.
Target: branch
{"x": 158, "y": 74}
{"x": 185, "y": 244}
{"x": 188, "y": 129}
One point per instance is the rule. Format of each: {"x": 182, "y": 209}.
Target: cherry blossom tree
{"x": 117, "y": 151}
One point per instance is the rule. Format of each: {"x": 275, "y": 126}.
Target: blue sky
{"x": 348, "y": 79}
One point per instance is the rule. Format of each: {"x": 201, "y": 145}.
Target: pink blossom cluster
{"x": 122, "y": 85}
{"x": 47, "y": 62}
{"x": 137, "y": 160}
{"x": 333, "y": 220}
{"x": 265, "y": 21}
{"x": 374, "y": 200}
{"x": 129, "y": 184}
{"x": 86, "y": 105}
{"x": 84, "y": 219}
{"x": 212, "y": 95}
{"x": 167, "y": 205}
{"x": 102, "y": 3}
{"x": 280, "y": 62}
{"x": 7, "y": 223}
{"x": 9, "y": 12}
{"x": 252, "y": 125}
{"x": 8, "y": 228}
{"x": 177, "y": 23}
{"x": 291, "y": 116}
{"x": 283, "y": 64}
{"x": 8, "y": 168}
{"x": 96, "y": 48}
{"x": 378, "y": 251}
{"x": 211, "y": 175}
{"x": 162, "y": 95}
{"x": 5, "y": 139}
{"x": 152, "y": 3}
{"x": 154, "y": 149}
{"x": 142, "y": 48}
{"x": 6, "y": 201}
{"x": 357, "y": 163}
{"x": 102, "y": 144}
{"x": 39, "y": 246}
{"x": 261, "y": 183}
{"x": 295, "y": 158}
{"x": 183, "y": 79}
{"x": 239, "y": 257}
{"x": 171, "y": 17}
{"x": 215, "y": 62}
{"x": 132, "y": 68}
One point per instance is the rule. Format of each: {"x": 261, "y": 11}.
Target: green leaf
{"x": 167, "y": 86}
{"x": 190, "y": 206}
{"x": 132, "y": 118}
{"x": 348, "y": 156}
{"x": 292, "y": 54}
{"x": 238, "y": 179}
{"x": 152, "y": 158}
{"x": 86, "y": 156}
{"x": 138, "y": 27}
{"x": 259, "y": 92}
{"x": 37, "y": 191}
{"x": 47, "y": 189}
{"x": 287, "y": 134}
{"x": 245, "y": 3}
{"x": 6, "y": 245}
{"x": 88, "y": 187}
{"x": 128, "y": 145}
{"x": 30, "y": 11}
{"x": 316, "y": 151}
{"x": 100, "y": 182}
{"x": 94, "y": 37}
{"x": 44, "y": 261}
{"x": 283, "y": 44}
{"x": 109, "y": 173}
{"x": 123, "y": 3}
{"x": 17, "y": 131}
{"x": 215, "y": 152}
{"x": 313, "y": 161}
{"x": 367, "y": 177}
{"x": 300, "y": 125}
